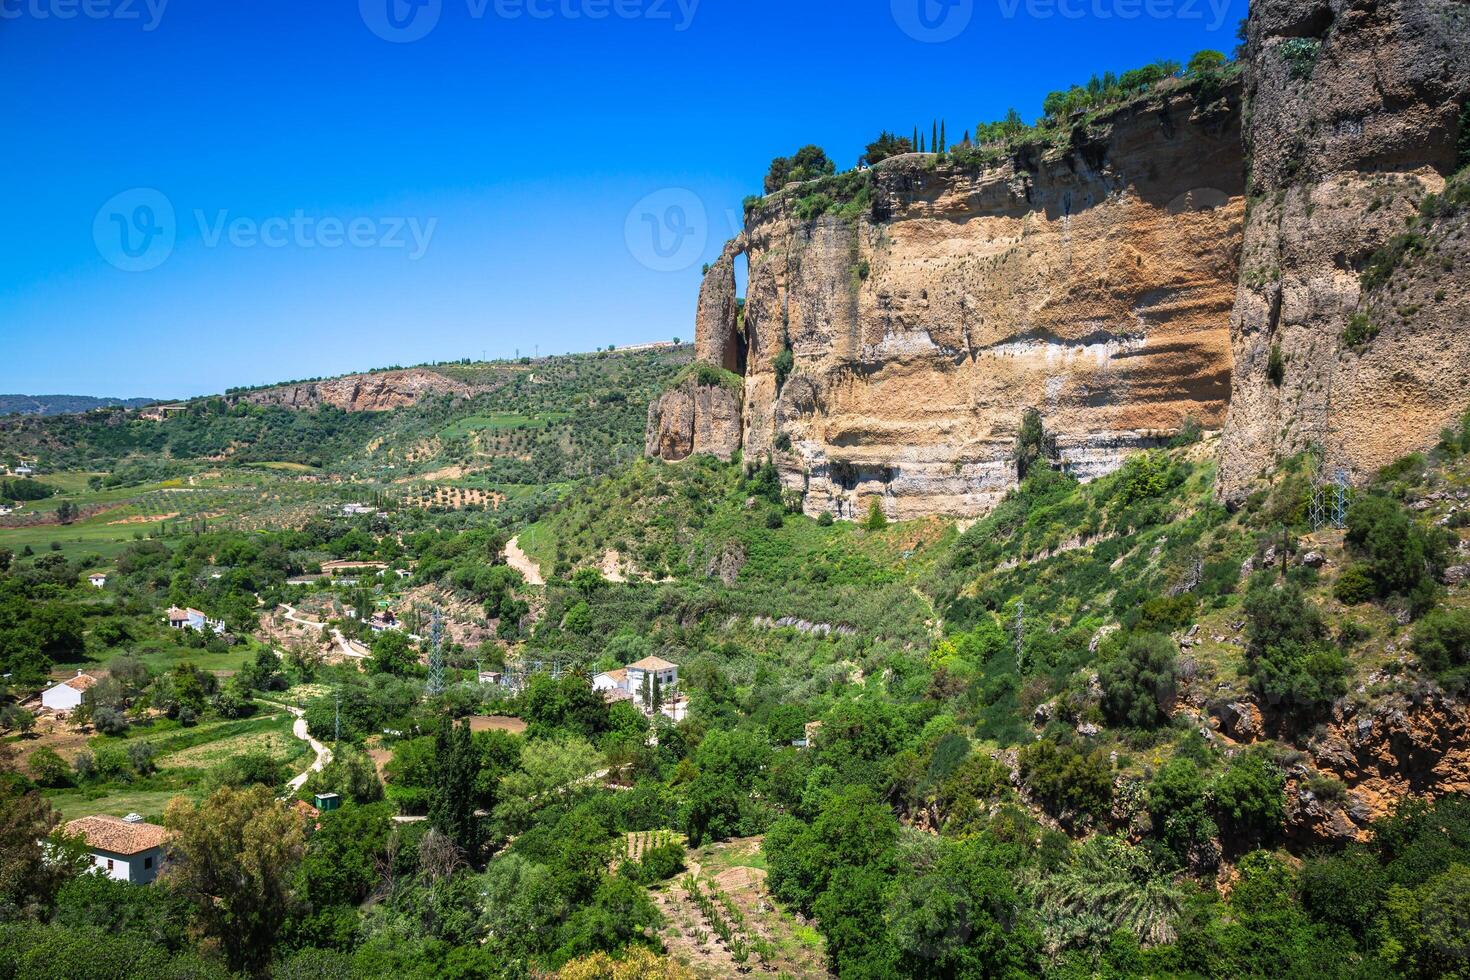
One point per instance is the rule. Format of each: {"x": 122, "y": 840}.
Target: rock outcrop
{"x": 1091, "y": 281}
{"x": 899, "y": 322}
{"x": 695, "y": 416}
{"x": 380, "y": 391}
{"x": 1355, "y": 107}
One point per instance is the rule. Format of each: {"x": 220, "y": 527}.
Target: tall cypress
{"x": 915, "y": 144}
{"x": 943, "y": 139}
{"x": 934, "y": 136}
{"x": 452, "y": 808}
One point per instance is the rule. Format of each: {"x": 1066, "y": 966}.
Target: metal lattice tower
{"x": 1020, "y": 634}
{"x": 436, "y": 655}
{"x": 1342, "y": 493}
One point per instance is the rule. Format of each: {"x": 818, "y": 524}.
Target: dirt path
{"x": 521, "y": 562}
{"x": 323, "y": 754}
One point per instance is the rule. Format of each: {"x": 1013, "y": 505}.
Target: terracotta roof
{"x": 621, "y": 674}
{"x": 105, "y": 833}
{"x": 653, "y": 663}
{"x": 78, "y": 683}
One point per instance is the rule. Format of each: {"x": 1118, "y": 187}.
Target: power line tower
{"x": 1019, "y": 634}
{"x": 436, "y": 655}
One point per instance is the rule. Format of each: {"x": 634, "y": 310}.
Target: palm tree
{"x": 1107, "y": 887}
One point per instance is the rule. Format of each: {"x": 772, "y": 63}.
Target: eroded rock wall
{"x": 380, "y": 391}
{"x": 1093, "y": 283}
{"x": 1354, "y": 112}
{"x": 693, "y": 418}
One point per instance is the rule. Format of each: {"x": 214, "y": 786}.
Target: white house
{"x": 666, "y": 673}
{"x": 626, "y": 684}
{"x": 67, "y": 696}
{"x": 126, "y": 849}
{"x": 357, "y": 510}
{"x": 98, "y": 580}
{"x": 193, "y": 619}
{"x": 24, "y": 470}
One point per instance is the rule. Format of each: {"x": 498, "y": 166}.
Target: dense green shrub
{"x": 1140, "y": 681}
{"x": 1355, "y": 585}
{"x": 1360, "y": 332}
{"x": 1067, "y": 779}
{"x": 1249, "y": 798}
{"x": 1442, "y": 644}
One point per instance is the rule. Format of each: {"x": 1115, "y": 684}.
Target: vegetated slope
{"x": 547, "y": 420}
{"x": 64, "y": 404}
{"x": 714, "y": 558}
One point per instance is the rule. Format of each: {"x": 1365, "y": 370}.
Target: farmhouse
{"x": 126, "y": 849}
{"x": 98, "y": 580}
{"x": 651, "y": 682}
{"x": 193, "y": 619}
{"x": 67, "y": 696}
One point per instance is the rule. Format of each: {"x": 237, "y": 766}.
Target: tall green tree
{"x": 456, "y": 769}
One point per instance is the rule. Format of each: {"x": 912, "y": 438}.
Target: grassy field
{"x": 187, "y": 759}
{"x": 500, "y": 422}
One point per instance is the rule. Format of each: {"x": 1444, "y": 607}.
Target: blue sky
{"x": 302, "y": 197}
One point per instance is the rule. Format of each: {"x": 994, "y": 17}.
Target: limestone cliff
{"x": 1355, "y": 107}
{"x": 376, "y": 392}
{"x": 698, "y": 414}
{"x": 1091, "y": 281}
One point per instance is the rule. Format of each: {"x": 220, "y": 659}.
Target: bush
{"x": 48, "y": 768}
{"x": 1276, "y": 366}
{"x": 1139, "y": 684}
{"x": 1355, "y": 585}
{"x": 1403, "y": 558}
{"x": 876, "y": 519}
{"x": 1360, "y": 332}
{"x": 1442, "y": 641}
{"x": 825, "y": 519}
{"x": 1248, "y": 796}
{"x": 1068, "y": 779}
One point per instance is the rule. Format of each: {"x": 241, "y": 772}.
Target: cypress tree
{"x": 943, "y": 139}
{"x": 934, "y": 135}
{"x": 915, "y": 143}
{"x": 452, "y": 808}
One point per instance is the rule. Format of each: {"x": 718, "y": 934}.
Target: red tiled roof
{"x": 105, "y": 833}
{"x": 652, "y": 663}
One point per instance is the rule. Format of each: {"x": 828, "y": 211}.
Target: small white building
{"x": 357, "y": 510}
{"x": 98, "y": 580}
{"x": 24, "y": 470}
{"x": 193, "y": 619}
{"x": 626, "y": 684}
{"x": 67, "y": 696}
{"x": 126, "y": 849}
{"x": 666, "y": 673}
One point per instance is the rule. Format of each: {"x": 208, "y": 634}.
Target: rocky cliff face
{"x": 1127, "y": 280}
{"x": 1092, "y": 282}
{"x": 1355, "y": 107}
{"x": 695, "y": 417}
{"x": 377, "y": 392}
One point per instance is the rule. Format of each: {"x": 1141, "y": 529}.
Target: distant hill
{"x": 64, "y": 404}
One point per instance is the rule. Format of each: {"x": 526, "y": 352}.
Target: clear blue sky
{"x": 517, "y": 145}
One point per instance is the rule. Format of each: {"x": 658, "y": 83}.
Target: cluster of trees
{"x": 808, "y": 163}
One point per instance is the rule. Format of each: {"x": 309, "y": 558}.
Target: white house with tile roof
{"x": 67, "y": 696}
{"x": 126, "y": 849}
